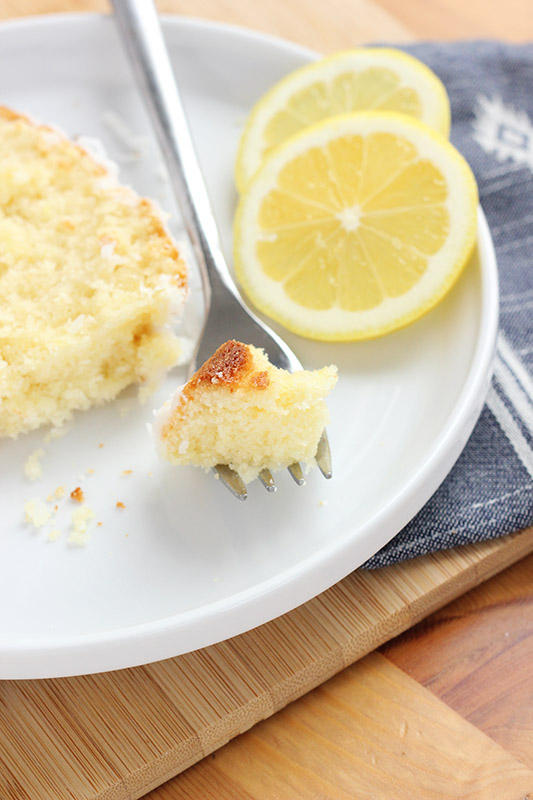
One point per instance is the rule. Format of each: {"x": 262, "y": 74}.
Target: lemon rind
{"x": 435, "y": 99}
{"x": 334, "y": 324}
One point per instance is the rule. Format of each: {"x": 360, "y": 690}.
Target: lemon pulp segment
{"x": 356, "y": 226}
{"x": 355, "y": 80}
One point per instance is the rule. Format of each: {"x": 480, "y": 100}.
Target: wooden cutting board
{"x": 116, "y": 736}
{"x": 444, "y": 711}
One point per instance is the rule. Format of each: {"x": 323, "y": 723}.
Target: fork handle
{"x": 140, "y": 30}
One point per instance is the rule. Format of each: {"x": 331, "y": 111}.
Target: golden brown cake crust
{"x": 232, "y": 365}
{"x": 241, "y": 410}
{"x": 8, "y": 113}
{"x": 89, "y": 279}
{"x": 14, "y": 116}
{"x": 180, "y": 279}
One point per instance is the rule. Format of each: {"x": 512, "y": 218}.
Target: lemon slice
{"x": 356, "y": 226}
{"x": 353, "y": 80}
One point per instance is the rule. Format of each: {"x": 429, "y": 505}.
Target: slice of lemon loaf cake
{"x": 239, "y": 409}
{"x": 89, "y": 280}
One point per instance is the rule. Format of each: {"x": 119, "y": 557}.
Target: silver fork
{"x": 226, "y": 314}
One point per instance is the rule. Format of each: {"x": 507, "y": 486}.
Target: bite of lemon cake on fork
{"x": 240, "y": 410}
{"x": 90, "y": 280}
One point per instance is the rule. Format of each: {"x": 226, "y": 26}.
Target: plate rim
{"x": 217, "y": 621}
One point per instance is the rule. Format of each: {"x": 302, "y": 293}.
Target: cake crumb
{"x": 77, "y": 495}
{"x": 80, "y": 519}
{"x": 32, "y": 467}
{"x": 54, "y": 535}
{"x": 101, "y": 444}
{"x": 323, "y": 503}
{"x": 36, "y": 512}
{"x": 126, "y": 472}
{"x": 99, "y": 524}
{"x": 67, "y": 294}
{"x": 150, "y": 474}
{"x": 55, "y": 433}
{"x": 234, "y": 410}
{"x": 59, "y": 492}
{"x": 90, "y": 471}
{"x": 120, "y": 505}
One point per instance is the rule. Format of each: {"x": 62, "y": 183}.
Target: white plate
{"x": 186, "y": 565}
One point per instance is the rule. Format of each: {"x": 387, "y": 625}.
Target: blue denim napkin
{"x": 489, "y": 492}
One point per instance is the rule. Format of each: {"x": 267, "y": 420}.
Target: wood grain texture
{"x": 453, "y": 19}
{"x": 339, "y": 23}
{"x": 477, "y": 655}
{"x": 371, "y": 732}
{"x": 349, "y": 23}
{"x": 116, "y": 736}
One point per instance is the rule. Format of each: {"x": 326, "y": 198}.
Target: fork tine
{"x": 297, "y": 473}
{"x": 231, "y": 481}
{"x": 227, "y": 315}
{"x": 323, "y": 456}
{"x": 265, "y": 476}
